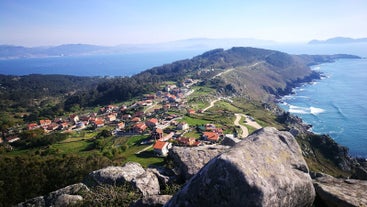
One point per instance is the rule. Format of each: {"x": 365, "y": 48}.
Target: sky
{"x": 115, "y": 22}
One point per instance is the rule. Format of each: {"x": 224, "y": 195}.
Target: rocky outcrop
{"x": 265, "y": 169}
{"x": 188, "y": 160}
{"x": 62, "y": 197}
{"x": 115, "y": 175}
{"x": 335, "y": 192}
{"x": 230, "y": 141}
{"x": 152, "y": 201}
{"x": 147, "y": 183}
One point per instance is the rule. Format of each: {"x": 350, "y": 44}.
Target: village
{"x": 151, "y": 115}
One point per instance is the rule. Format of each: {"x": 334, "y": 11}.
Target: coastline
{"x": 304, "y": 126}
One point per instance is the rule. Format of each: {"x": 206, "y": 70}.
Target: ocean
{"x": 337, "y": 104}
{"x": 93, "y": 65}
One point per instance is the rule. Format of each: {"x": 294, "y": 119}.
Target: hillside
{"x": 251, "y": 72}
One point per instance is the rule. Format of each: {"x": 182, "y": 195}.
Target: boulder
{"x": 67, "y": 195}
{"x": 189, "y": 160}
{"x": 65, "y": 200}
{"x": 115, "y": 175}
{"x": 265, "y": 169}
{"x": 147, "y": 183}
{"x": 34, "y": 202}
{"x": 360, "y": 173}
{"x": 341, "y": 192}
{"x": 163, "y": 175}
{"x": 62, "y": 197}
{"x": 152, "y": 201}
{"x": 230, "y": 141}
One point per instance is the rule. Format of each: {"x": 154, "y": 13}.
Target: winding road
{"x": 249, "y": 122}
{"x": 211, "y": 104}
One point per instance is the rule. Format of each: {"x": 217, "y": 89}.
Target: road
{"x": 249, "y": 122}
{"x": 211, "y": 104}
{"x": 243, "y": 128}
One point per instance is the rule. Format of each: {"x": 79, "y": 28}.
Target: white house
{"x": 162, "y": 148}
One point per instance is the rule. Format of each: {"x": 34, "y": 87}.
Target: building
{"x": 157, "y": 134}
{"x": 120, "y": 126}
{"x": 152, "y": 122}
{"x": 211, "y": 136}
{"x": 182, "y": 126}
{"x": 140, "y": 127}
{"x": 162, "y": 148}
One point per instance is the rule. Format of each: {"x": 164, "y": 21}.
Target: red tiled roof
{"x": 211, "y": 136}
{"x": 159, "y": 145}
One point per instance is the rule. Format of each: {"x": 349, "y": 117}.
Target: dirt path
{"x": 249, "y": 122}
{"x": 145, "y": 149}
{"x": 243, "y": 128}
{"x": 211, "y": 104}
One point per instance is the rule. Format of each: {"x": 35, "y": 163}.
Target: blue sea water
{"x": 337, "y": 104}
{"x": 93, "y": 65}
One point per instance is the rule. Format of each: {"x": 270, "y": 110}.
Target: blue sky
{"x": 108, "y": 22}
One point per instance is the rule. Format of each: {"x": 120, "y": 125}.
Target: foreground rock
{"x": 265, "y": 169}
{"x": 341, "y": 192}
{"x": 189, "y": 160}
{"x": 115, "y": 175}
{"x": 152, "y": 201}
{"x": 62, "y": 197}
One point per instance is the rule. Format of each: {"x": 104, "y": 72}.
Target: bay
{"x": 93, "y": 65}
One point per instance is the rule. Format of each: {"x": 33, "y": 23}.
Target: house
{"x": 33, "y": 126}
{"x": 74, "y": 118}
{"x": 98, "y": 123}
{"x": 45, "y": 123}
{"x": 126, "y": 117}
{"x": 120, "y": 126}
{"x": 53, "y": 126}
{"x": 152, "y": 122}
{"x": 63, "y": 125}
{"x": 136, "y": 119}
{"x": 191, "y": 111}
{"x": 12, "y": 139}
{"x": 150, "y": 97}
{"x": 211, "y": 136}
{"x": 182, "y": 126}
{"x": 162, "y": 148}
{"x": 167, "y": 137}
{"x": 187, "y": 141}
{"x": 140, "y": 127}
{"x": 85, "y": 119}
{"x": 157, "y": 133}
{"x": 111, "y": 117}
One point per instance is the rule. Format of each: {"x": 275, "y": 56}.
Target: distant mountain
{"x": 339, "y": 40}
{"x": 11, "y": 52}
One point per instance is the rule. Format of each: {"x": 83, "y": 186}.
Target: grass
{"x": 225, "y": 106}
{"x": 194, "y": 121}
{"x": 78, "y": 146}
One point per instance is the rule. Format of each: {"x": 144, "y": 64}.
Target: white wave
{"x": 316, "y": 68}
{"x": 305, "y": 110}
{"x": 298, "y": 110}
{"x": 316, "y": 111}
